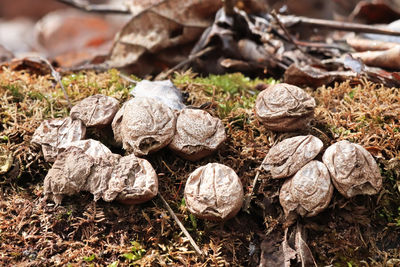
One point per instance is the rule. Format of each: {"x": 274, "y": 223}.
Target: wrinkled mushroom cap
{"x": 96, "y": 110}
{"x": 68, "y": 174}
{"x": 308, "y": 192}
{"x": 198, "y": 134}
{"x": 144, "y": 126}
{"x": 287, "y": 157}
{"x": 55, "y": 133}
{"x": 133, "y": 181}
{"x": 214, "y": 192}
{"x": 92, "y": 148}
{"x": 353, "y": 169}
{"x": 284, "y": 107}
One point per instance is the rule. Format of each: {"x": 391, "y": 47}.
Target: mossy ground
{"x": 361, "y": 231}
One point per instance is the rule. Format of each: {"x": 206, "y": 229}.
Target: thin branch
{"x": 56, "y": 75}
{"x": 185, "y": 232}
{"x": 289, "y": 20}
{"x": 102, "y": 8}
{"x": 184, "y": 62}
{"x": 288, "y": 35}
{"x": 254, "y": 187}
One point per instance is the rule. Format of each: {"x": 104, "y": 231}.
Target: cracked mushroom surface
{"x": 214, "y": 192}
{"x": 308, "y": 192}
{"x": 353, "y": 169}
{"x": 68, "y": 174}
{"x": 132, "y": 181}
{"x": 144, "y": 125}
{"x": 198, "y": 134}
{"x": 290, "y": 155}
{"x": 284, "y": 107}
{"x": 95, "y": 111}
{"x": 55, "y": 133}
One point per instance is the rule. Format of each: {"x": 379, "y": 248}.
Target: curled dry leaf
{"x": 56, "y": 133}
{"x": 144, "y": 125}
{"x": 163, "y": 91}
{"x": 214, "y": 192}
{"x": 353, "y": 169}
{"x": 198, "y": 134}
{"x": 308, "y": 192}
{"x": 132, "y": 181}
{"x": 284, "y": 107}
{"x": 68, "y": 174}
{"x": 385, "y": 59}
{"x": 290, "y": 155}
{"x": 96, "y": 110}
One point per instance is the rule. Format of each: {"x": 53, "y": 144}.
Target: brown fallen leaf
{"x": 389, "y": 58}
{"x": 361, "y": 45}
{"x": 159, "y": 25}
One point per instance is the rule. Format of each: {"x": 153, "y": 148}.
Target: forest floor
{"x": 361, "y": 231}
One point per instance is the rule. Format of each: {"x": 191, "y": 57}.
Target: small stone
{"x": 214, "y": 192}
{"x": 144, "y": 126}
{"x": 287, "y": 157}
{"x": 56, "y": 133}
{"x": 95, "y": 111}
{"x": 353, "y": 169}
{"x": 198, "y": 134}
{"x": 308, "y": 192}
{"x": 284, "y": 107}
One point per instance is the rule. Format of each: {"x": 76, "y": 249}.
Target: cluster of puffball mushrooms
{"x": 308, "y": 189}
{"x": 156, "y": 118}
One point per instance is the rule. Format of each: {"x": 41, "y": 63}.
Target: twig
{"x": 185, "y": 232}
{"x": 56, "y": 75}
{"x": 126, "y": 78}
{"x": 248, "y": 197}
{"x": 288, "y": 35}
{"x": 184, "y": 62}
{"x": 84, "y": 5}
{"x": 289, "y": 20}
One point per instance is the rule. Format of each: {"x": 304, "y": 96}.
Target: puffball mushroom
{"x": 214, "y": 192}
{"x": 68, "y": 174}
{"x": 284, "y": 107}
{"x": 144, "y": 125}
{"x": 198, "y": 134}
{"x": 133, "y": 181}
{"x": 95, "y": 111}
{"x": 308, "y": 192}
{"x": 353, "y": 169}
{"x": 55, "y": 133}
{"x": 288, "y": 156}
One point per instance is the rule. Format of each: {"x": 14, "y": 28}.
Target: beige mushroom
{"x": 144, "y": 125}
{"x": 214, "y": 192}
{"x": 68, "y": 174}
{"x": 308, "y": 192}
{"x": 95, "y": 111}
{"x": 284, "y": 107}
{"x": 55, "y": 133}
{"x": 353, "y": 169}
{"x": 287, "y": 157}
{"x": 198, "y": 134}
{"x": 133, "y": 181}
